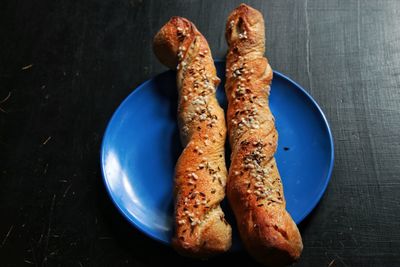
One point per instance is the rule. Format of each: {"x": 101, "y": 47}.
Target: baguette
{"x": 200, "y": 174}
{"x": 254, "y": 186}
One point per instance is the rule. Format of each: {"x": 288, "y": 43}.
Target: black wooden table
{"x": 66, "y": 65}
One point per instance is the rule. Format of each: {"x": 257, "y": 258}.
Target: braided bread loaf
{"x": 254, "y": 186}
{"x": 200, "y": 227}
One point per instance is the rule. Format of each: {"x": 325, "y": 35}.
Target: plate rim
{"x": 132, "y": 219}
{"x": 331, "y": 142}
{"x": 129, "y": 217}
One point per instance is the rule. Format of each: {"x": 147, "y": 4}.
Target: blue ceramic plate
{"x": 141, "y": 145}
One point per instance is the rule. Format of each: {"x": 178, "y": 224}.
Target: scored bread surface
{"x": 254, "y": 186}
{"x": 200, "y": 173}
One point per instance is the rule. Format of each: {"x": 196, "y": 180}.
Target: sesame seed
{"x": 180, "y": 222}
{"x": 257, "y": 192}
{"x": 259, "y": 184}
{"x": 237, "y": 73}
{"x": 243, "y": 35}
{"x": 180, "y": 55}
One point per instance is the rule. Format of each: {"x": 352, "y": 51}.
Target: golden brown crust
{"x": 254, "y": 186}
{"x": 200, "y": 176}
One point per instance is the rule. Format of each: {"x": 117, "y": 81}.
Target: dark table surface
{"x": 65, "y": 66}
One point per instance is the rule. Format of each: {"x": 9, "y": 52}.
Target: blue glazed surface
{"x": 141, "y": 145}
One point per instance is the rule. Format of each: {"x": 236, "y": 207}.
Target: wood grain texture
{"x": 87, "y": 56}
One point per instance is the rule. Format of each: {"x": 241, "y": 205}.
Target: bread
{"x": 254, "y": 186}
{"x": 200, "y": 176}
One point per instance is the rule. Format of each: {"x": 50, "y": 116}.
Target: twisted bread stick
{"x": 254, "y": 186}
{"x": 200, "y": 228}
